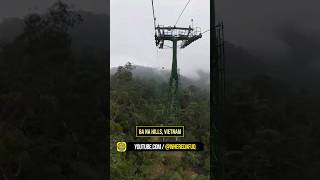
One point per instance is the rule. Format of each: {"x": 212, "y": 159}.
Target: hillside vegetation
{"x": 141, "y": 101}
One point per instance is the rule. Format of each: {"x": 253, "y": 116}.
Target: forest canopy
{"x": 52, "y": 101}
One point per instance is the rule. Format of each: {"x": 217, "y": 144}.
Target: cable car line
{"x": 185, "y": 7}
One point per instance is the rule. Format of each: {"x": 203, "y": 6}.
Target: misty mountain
{"x": 301, "y": 62}
{"x": 92, "y": 33}
{"x": 10, "y": 28}
{"x": 241, "y": 64}
{"x": 163, "y": 76}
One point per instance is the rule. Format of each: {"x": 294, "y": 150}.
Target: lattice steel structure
{"x": 175, "y": 35}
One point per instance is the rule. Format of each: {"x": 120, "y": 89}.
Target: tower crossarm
{"x": 190, "y": 40}
{"x": 171, "y": 33}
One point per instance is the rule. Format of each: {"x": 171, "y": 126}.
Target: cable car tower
{"x": 183, "y": 36}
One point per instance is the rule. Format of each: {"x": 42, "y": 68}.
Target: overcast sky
{"x": 132, "y": 33}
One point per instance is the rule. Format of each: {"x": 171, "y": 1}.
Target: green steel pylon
{"x": 172, "y": 108}
{"x": 174, "y": 35}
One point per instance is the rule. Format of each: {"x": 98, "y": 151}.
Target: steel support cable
{"x": 205, "y": 31}
{"x": 153, "y": 13}
{"x": 185, "y": 7}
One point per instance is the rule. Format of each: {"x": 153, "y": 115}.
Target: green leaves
{"x": 52, "y": 116}
{"x": 141, "y": 101}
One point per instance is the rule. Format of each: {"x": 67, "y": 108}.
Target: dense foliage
{"x": 52, "y": 102}
{"x": 270, "y": 131}
{"x": 137, "y": 101}
{"x": 271, "y": 125}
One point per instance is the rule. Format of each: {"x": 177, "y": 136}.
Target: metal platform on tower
{"x": 173, "y": 34}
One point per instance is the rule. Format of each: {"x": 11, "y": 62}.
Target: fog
{"x": 254, "y": 24}
{"x": 18, "y": 8}
{"x": 132, "y": 34}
